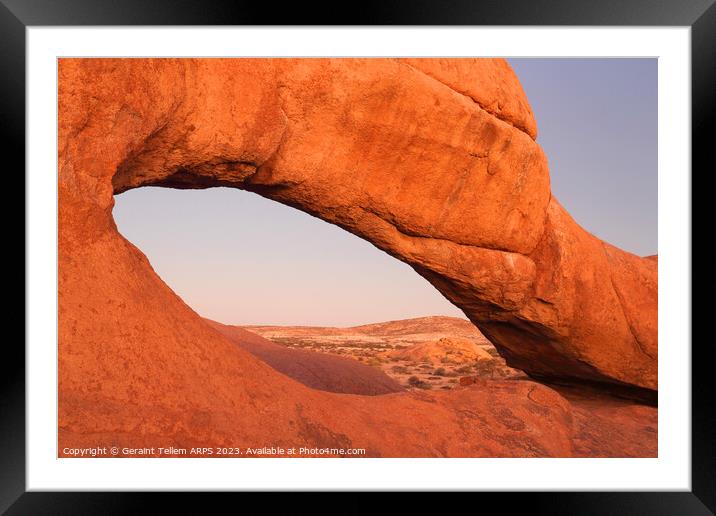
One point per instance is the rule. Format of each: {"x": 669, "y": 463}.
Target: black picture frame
{"x": 17, "y": 15}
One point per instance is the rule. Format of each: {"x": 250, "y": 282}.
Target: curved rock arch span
{"x": 433, "y": 161}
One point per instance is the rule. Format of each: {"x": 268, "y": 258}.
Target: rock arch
{"x": 433, "y": 161}
{"x": 448, "y": 180}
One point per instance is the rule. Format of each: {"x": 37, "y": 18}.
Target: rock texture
{"x": 315, "y": 370}
{"x": 605, "y": 426}
{"x": 433, "y": 162}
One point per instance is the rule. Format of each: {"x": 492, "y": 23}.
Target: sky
{"x": 238, "y": 258}
{"x": 597, "y": 123}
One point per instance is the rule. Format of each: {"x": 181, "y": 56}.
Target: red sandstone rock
{"x": 435, "y": 163}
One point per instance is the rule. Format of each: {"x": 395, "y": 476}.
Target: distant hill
{"x": 446, "y": 350}
{"x": 404, "y": 332}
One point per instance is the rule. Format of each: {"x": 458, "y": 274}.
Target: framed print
{"x": 426, "y": 240}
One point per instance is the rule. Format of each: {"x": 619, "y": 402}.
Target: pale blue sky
{"x": 241, "y": 259}
{"x": 597, "y": 123}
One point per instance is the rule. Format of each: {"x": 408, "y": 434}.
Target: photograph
{"x": 340, "y": 257}
{"x": 415, "y": 247}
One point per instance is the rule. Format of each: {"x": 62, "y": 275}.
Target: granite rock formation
{"x": 451, "y": 350}
{"x": 320, "y": 371}
{"x": 433, "y": 161}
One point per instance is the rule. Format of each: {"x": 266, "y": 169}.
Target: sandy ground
{"x": 380, "y": 345}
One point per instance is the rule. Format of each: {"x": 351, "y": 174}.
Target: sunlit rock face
{"x": 433, "y": 161}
